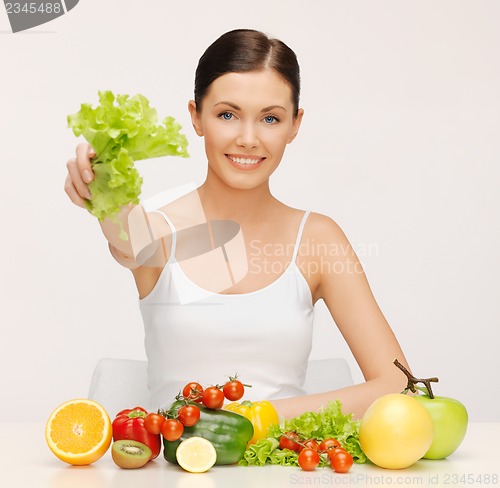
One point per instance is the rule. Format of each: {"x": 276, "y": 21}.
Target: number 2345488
{"x": 33, "y": 8}
{"x": 469, "y": 479}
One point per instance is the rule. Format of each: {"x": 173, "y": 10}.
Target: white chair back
{"x": 122, "y": 383}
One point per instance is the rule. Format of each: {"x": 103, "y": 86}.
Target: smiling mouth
{"x": 245, "y": 161}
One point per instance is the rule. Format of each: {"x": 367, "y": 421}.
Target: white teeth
{"x": 244, "y": 160}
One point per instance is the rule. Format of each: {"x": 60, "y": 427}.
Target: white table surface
{"x": 26, "y": 461}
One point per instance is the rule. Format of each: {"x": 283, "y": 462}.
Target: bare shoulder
{"x": 324, "y": 241}
{"x": 323, "y": 228}
{"x": 322, "y": 245}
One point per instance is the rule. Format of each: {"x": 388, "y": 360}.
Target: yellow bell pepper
{"x": 262, "y": 415}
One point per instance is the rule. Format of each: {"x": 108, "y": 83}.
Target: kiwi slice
{"x": 130, "y": 454}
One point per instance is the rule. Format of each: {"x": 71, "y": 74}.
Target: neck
{"x": 223, "y": 202}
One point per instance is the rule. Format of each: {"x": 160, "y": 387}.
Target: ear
{"x": 195, "y": 117}
{"x": 296, "y": 125}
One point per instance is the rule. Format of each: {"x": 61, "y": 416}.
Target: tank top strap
{"x": 174, "y": 234}
{"x": 299, "y": 236}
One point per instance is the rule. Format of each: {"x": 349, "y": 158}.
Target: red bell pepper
{"x": 129, "y": 424}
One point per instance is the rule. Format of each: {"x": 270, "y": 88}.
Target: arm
{"x": 342, "y": 284}
{"x": 144, "y": 232}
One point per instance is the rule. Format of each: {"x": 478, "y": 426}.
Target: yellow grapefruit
{"x": 395, "y": 431}
{"x": 79, "y": 431}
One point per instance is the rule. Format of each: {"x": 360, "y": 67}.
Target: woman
{"x": 246, "y": 107}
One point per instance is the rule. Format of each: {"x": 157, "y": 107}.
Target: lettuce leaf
{"x": 123, "y": 129}
{"x": 328, "y": 422}
{"x": 266, "y": 451}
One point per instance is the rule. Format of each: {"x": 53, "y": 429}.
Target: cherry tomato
{"x": 341, "y": 461}
{"x": 213, "y": 397}
{"x": 172, "y": 429}
{"x": 334, "y": 450}
{"x": 328, "y": 444}
{"x": 288, "y": 441}
{"x": 308, "y": 459}
{"x": 233, "y": 390}
{"x": 193, "y": 391}
{"x": 153, "y": 423}
{"x": 309, "y": 444}
{"x": 188, "y": 415}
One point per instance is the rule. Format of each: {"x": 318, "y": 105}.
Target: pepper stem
{"x": 134, "y": 414}
{"x": 412, "y": 381}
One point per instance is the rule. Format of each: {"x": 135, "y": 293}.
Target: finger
{"x": 80, "y": 186}
{"x": 72, "y": 193}
{"x": 84, "y": 153}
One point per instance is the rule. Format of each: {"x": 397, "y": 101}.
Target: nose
{"x": 247, "y": 136}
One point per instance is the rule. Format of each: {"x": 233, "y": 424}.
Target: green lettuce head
{"x": 123, "y": 129}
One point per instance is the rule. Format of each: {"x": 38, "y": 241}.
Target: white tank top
{"x": 264, "y": 336}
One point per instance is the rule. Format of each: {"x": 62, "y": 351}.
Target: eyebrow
{"x": 265, "y": 109}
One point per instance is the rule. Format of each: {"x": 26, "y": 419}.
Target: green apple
{"x": 449, "y": 418}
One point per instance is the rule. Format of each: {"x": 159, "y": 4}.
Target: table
{"x": 26, "y": 461}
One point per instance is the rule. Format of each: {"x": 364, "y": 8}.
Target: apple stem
{"x": 412, "y": 381}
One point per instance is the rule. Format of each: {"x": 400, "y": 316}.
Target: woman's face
{"x": 247, "y": 119}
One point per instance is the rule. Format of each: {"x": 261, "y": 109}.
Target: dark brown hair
{"x": 243, "y": 50}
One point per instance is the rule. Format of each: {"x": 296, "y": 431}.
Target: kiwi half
{"x": 130, "y": 454}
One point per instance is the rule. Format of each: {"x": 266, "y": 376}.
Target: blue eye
{"x": 270, "y": 119}
{"x": 226, "y": 115}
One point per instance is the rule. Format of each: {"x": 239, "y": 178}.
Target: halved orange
{"x": 79, "y": 431}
